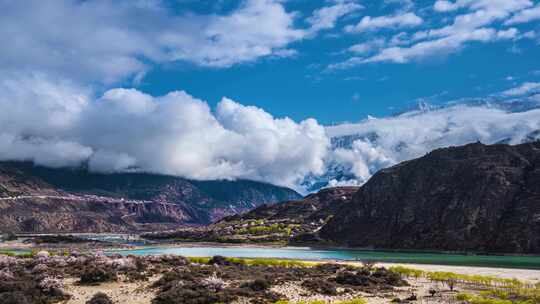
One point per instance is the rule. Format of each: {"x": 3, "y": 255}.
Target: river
{"x": 305, "y": 253}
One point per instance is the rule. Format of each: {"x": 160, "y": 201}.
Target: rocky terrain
{"x": 480, "y": 198}
{"x": 39, "y": 199}
{"x": 473, "y": 198}
{"x": 283, "y": 223}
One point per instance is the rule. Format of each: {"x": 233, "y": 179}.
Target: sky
{"x": 260, "y": 89}
{"x": 324, "y": 76}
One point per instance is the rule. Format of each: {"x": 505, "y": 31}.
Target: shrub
{"x": 100, "y": 298}
{"x": 14, "y": 298}
{"x": 219, "y": 260}
{"x": 257, "y": 285}
{"x": 6, "y": 275}
{"x": 213, "y": 283}
{"x": 321, "y": 286}
{"x": 50, "y": 284}
{"x": 191, "y": 294}
{"x": 96, "y": 275}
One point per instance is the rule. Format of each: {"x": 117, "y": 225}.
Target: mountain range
{"x": 41, "y": 199}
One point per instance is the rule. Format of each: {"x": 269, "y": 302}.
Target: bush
{"x": 219, "y": 260}
{"x": 100, "y": 298}
{"x": 257, "y": 285}
{"x": 96, "y": 275}
{"x": 213, "y": 283}
{"x": 321, "y": 286}
{"x": 191, "y": 294}
{"x": 16, "y": 297}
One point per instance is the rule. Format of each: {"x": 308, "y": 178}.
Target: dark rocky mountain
{"x": 284, "y": 223}
{"x": 315, "y": 207}
{"x": 40, "y": 199}
{"x": 480, "y": 198}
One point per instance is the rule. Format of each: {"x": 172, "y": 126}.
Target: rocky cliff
{"x": 471, "y": 198}
{"x": 39, "y": 199}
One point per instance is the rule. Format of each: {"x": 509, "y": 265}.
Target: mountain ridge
{"x": 30, "y": 195}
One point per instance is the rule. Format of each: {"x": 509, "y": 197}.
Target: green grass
{"x": 260, "y": 229}
{"x": 478, "y": 280}
{"x": 257, "y": 261}
{"x": 352, "y": 301}
{"x": 199, "y": 260}
{"x": 19, "y": 253}
{"x": 272, "y": 262}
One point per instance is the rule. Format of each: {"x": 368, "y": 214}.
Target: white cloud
{"x": 50, "y": 152}
{"x": 484, "y": 12}
{"x": 368, "y": 46}
{"x": 526, "y": 15}
{"x": 379, "y": 143}
{"x": 465, "y": 28}
{"x": 501, "y": 5}
{"x": 421, "y": 50}
{"x": 369, "y": 23}
{"x": 523, "y": 89}
{"x": 510, "y": 33}
{"x": 326, "y": 17}
{"x": 45, "y": 121}
{"x": 108, "y": 41}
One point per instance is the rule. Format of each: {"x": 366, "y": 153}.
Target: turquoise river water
{"x": 304, "y": 253}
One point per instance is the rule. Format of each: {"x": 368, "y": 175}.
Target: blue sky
{"x": 302, "y": 85}
{"x": 260, "y": 89}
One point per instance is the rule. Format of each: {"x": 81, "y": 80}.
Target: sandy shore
{"x": 529, "y": 275}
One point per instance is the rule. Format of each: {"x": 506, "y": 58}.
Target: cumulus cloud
{"x": 378, "y": 143}
{"x": 176, "y": 134}
{"x": 369, "y": 23}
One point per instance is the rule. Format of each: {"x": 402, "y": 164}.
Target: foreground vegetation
{"x": 40, "y": 277}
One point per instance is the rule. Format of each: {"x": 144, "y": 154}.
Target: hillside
{"x": 469, "y": 198}
{"x": 286, "y": 222}
{"x": 39, "y": 199}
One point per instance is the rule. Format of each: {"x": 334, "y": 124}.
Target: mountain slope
{"x": 283, "y": 222}
{"x": 469, "y": 198}
{"x": 39, "y": 199}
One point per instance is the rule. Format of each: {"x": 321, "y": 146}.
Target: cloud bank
{"x": 177, "y": 134}
{"x": 58, "y": 123}
{"x": 362, "y": 149}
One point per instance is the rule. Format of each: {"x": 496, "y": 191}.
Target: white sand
{"x": 530, "y": 275}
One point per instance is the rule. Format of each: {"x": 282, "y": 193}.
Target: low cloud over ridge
{"x": 363, "y": 148}
{"x": 177, "y": 134}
